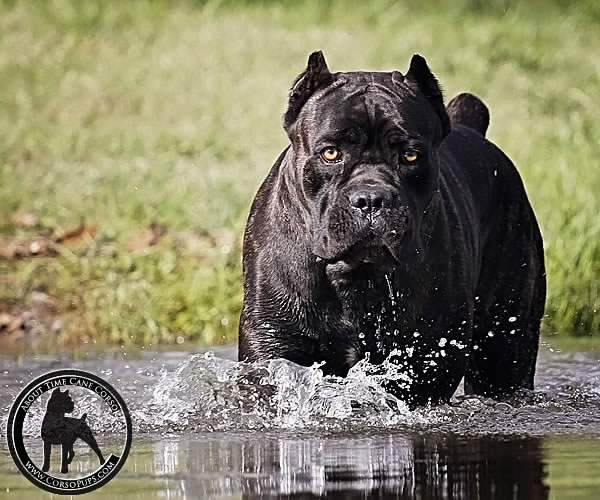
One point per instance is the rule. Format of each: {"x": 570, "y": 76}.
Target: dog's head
{"x": 60, "y": 402}
{"x": 365, "y": 148}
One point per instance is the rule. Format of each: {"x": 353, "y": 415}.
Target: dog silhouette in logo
{"x": 58, "y": 429}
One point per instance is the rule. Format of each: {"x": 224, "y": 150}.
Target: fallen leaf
{"x": 24, "y": 218}
{"x": 83, "y": 232}
{"x": 31, "y": 322}
{"x": 10, "y": 323}
{"x": 8, "y": 249}
{"x": 11, "y": 249}
{"x": 147, "y": 238}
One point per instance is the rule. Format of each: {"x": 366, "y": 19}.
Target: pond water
{"x": 208, "y": 427}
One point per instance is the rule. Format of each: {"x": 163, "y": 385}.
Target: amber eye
{"x": 331, "y": 154}
{"x": 410, "y": 156}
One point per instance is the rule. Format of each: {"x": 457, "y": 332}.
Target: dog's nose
{"x": 371, "y": 199}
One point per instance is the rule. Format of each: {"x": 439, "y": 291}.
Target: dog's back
{"x": 512, "y": 285}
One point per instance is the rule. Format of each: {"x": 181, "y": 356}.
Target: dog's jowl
{"x": 391, "y": 227}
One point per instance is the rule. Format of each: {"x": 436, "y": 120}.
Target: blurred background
{"x": 134, "y": 134}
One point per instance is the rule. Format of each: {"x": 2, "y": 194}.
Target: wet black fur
{"x": 450, "y": 271}
{"x": 58, "y": 429}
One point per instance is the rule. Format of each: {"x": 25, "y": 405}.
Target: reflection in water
{"x": 404, "y": 466}
{"x": 166, "y": 457}
{"x": 311, "y": 435}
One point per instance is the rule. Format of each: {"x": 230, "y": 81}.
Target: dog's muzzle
{"x": 364, "y": 224}
{"x": 371, "y": 200}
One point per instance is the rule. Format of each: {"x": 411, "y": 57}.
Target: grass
{"x": 127, "y": 113}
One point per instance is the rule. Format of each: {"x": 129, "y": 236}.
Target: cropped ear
{"x": 315, "y": 76}
{"x": 420, "y": 77}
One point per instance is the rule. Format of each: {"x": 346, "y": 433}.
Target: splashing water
{"x": 207, "y": 393}
{"x": 276, "y": 393}
{"x": 179, "y": 392}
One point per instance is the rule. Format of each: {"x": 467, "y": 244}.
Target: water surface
{"x": 208, "y": 427}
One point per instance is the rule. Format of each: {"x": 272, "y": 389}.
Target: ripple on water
{"x": 208, "y": 393}
{"x": 204, "y": 392}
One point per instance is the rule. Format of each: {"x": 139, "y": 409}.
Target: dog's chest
{"x": 372, "y": 317}
{"x": 376, "y": 317}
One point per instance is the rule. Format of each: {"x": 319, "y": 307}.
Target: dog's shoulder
{"x": 483, "y": 160}
{"x": 259, "y": 225}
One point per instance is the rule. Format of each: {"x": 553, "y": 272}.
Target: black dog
{"x": 58, "y": 429}
{"x": 391, "y": 227}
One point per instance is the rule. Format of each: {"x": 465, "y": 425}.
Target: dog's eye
{"x": 331, "y": 154}
{"x": 410, "y": 156}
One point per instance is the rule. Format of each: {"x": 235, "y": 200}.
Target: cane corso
{"x": 58, "y": 429}
{"x": 390, "y": 227}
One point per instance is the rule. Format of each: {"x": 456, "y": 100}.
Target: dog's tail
{"x": 83, "y": 417}
{"x": 466, "y": 109}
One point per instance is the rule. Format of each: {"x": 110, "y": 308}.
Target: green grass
{"x": 125, "y": 113}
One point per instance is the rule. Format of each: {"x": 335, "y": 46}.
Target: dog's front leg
{"x": 47, "y": 451}
{"x": 64, "y": 459}
{"x": 281, "y": 341}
